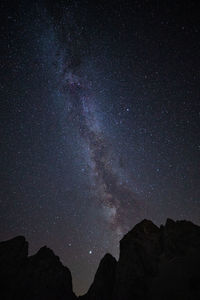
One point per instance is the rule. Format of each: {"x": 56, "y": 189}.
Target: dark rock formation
{"x": 179, "y": 264}
{"x": 102, "y": 287}
{"x": 39, "y": 277}
{"x": 180, "y": 238}
{"x": 13, "y": 256}
{"x": 155, "y": 263}
{"x": 159, "y": 263}
{"x": 139, "y": 252}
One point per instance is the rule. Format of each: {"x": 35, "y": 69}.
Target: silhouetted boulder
{"x": 102, "y": 287}
{"x": 39, "y": 277}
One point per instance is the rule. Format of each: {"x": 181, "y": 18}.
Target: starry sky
{"x": 100, "y": 123}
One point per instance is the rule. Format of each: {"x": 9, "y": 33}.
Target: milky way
{"x": 108, "y": 187}
{"x": 116, "y": 199}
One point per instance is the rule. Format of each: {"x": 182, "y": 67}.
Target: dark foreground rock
{"x": 102, "y": 287}
{"x": 155, "y": 263}
{"x": 39, "y": 277}
{"x": 139, "y": 253}
{"x": 159, "y": 263}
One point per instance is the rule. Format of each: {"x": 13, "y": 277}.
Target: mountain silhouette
{"x": 154, "y": 263}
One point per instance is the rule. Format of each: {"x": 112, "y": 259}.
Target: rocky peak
{"x": 144, "y": 233}
{"x": 149, "y": 255}
{"x": 102, "y": 287}
{"x": 155, "y": 263}
{"x": 47, "y": 254}
{"x": 41, "y": 276}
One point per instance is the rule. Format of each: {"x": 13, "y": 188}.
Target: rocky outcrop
{"x": 179, "y": 264}
{"x": 155, "y": 263}
{"x": 102, "y": 287}
{"x": 180, "y": 238}
{"x": 139, "y": 252}
{"x": 13, "y": 257}
{"x": 39, "y": 277}
{"x": 159, "y": 263}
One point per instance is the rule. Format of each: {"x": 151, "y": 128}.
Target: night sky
{"x": 100, "y": 123}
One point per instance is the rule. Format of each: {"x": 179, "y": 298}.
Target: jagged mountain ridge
{"x": 155, "y": 263}
{"x": 41, "y": 276}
